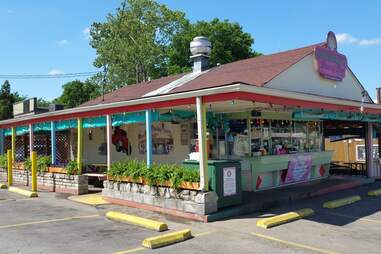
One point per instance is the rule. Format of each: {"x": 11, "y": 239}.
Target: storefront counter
{"x": 272, "y": 171}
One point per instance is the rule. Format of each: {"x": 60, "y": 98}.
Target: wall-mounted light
{"x": 90, "y": 134}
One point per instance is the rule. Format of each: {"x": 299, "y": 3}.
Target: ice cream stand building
{"x": 246, "y": 126}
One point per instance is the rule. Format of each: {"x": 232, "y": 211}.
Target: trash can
{"x": 224, "y": 179}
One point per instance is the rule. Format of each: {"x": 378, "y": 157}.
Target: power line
{"x": 48, "y": 76}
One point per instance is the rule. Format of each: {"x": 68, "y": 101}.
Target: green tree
{"x": 132, "y": 45}
{"x": 7, "y": 99}
{"x": 77, "y": 92}
{"x": 229, "y": 43}
{"x": 42, "y": 103}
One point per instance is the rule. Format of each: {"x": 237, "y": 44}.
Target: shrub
{"x": 43, "y": 162}
{"x": 3, "y": 161}
{"x": 157, "y": 174}
{"x": 28, "y": 164}
{"x": 72, "y": 168}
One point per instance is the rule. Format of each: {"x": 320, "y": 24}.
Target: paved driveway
{"x": 53, "y": 224}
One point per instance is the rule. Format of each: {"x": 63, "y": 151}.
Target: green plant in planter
{"x": 157, "y": 174}
{"x": 28, "y": 164}
{"x": 72, "y": 168}
{"x": 43, "y": 162}
{"x": 3, "y": 161}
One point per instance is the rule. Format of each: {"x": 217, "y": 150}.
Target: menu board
{"x": 229, "y": 181}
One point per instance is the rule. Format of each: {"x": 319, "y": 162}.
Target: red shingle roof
{"x": 255, "y": 71}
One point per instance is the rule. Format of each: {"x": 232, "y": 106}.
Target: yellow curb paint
{"x": 294, "y": 244}
{"x": 89, "y": 199}
{"x": 166, "y": 239}
{"x": 284, "y": 218}
{"x": 27, "y": 193}
{"x": 138, "y": 221}
{"x": 374, "y": 192}
{"x": 47, "y": 221}
{"x": 3, "y": 186}
{"x": 341, "y": 202}
{"x": 130, "y": 250}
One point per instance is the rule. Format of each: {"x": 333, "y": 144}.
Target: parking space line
{"x": 130, "y": 250}
{"x": 294, "y": 244}
{"x": 202, "y": 234}
{"x": 141, "y": 248}
{"x": 351, "y": 217}
{"x": 373, "y": 199}
{"x": 47, "y": 221}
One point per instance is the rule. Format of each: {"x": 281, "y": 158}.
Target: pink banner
{"x": 331, "y": 64}
{"x": 299, "y": 168}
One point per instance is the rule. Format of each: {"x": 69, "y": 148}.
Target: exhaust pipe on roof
{"x": 378, "y": 93}
{"x": 200, "y": 48}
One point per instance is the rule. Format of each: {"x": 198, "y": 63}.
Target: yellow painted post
{"x": 13, "y": 144}
{"x": 10, "y": 166}
{"x": 34, "y": 171}
{"x": 79, "y": 144}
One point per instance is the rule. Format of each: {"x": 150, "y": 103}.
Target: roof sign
{"x": 330, "y": 63}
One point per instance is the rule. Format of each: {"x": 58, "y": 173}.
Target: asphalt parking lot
{"x": 54, "y": 224}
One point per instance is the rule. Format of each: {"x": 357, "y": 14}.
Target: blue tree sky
{"x": 43, "y": 36}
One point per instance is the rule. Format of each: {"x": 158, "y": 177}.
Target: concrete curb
{"x": 167, "y": 239}
{"x": 172, "y": 212}
{"x": 138, "y": 221}
{"x": 30, "y": 194}
{"x": 374, "y": 192}
{"x": 341, "y": 202}
{"x": 3, "y": 186}
{"x": 284, "y": 218}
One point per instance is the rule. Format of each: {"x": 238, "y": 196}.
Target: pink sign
{"x": 299, "y": 168}
{"x": 331, "y": 65}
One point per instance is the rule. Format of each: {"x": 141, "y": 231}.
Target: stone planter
{"x": 188, "y": 201}
{"x": 56, "y": 182}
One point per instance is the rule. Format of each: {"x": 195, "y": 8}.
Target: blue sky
{"x": 41, "y": 36}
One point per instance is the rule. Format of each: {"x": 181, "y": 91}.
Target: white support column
{"x": 109, "y": 140}
{"x": 201, "y": 133}
{"x": 369, "y": 149}
{"x": 149, "y": 137}
{"x": 31, "y": 140}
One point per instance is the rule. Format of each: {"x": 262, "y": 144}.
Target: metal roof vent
{"x": 200, "y": 48}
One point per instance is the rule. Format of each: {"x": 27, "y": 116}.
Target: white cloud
{"x": 10, "y": 11}
{"x": 63, "y": 42}
{"x": 345, "y": 38}
{"x": 86, "y": 33}
{"x": 56, "y": 72}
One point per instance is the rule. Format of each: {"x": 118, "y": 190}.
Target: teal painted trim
{"x": 20, "y": 130}
{"x": 149, "y": 137}
{"x": 53, "y": 142}
{"x": 309, "y": 114}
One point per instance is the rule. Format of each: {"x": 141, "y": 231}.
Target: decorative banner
{"x": 330, "y": 63}
{"x": 162, "y": 139}
{"x": 229, "y": 181}
{"x": 299, "y": 168}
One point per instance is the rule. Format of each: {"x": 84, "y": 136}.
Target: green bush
{"x": 43, "y": 162}
{"x": 3, "y": 161}
{"x": 156, "y": 174}
{"x": 28, "y": 164}
{"x": 72, "y": 168}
